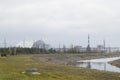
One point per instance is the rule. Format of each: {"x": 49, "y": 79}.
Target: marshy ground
{"x": 51, "y": 67}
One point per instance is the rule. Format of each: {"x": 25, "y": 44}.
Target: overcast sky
{"x": 61, "y": 21}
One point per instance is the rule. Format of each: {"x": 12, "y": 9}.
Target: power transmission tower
{"x": 88, "y": 47}
{"x": 72, "y": 48}
{"x": 59, "y": 49}
{"x": 104, "y": 43}
{"x": 64, "y": 48}
{"x": 5, "y": 44}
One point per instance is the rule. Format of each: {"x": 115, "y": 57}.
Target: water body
{"x": 99, "y": 64}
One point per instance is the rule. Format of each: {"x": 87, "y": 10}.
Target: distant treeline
{"x": 15, "y": 51}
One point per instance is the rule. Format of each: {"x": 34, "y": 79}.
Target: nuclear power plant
{"x": 40, "y": 44}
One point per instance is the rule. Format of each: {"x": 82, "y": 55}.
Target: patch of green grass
{"x": 11, "y": 68}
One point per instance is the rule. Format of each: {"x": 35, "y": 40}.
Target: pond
{"x": 99, "y": 64}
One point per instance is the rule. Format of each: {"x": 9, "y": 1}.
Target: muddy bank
{"x": 69, "y": 58}
{"x": 115, "y": 63}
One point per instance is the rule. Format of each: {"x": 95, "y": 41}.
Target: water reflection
{"x": 88, "y": 65}
{"x": 103, "y": 65}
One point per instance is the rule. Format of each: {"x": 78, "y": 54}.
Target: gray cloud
{"x": 61, "y": 21}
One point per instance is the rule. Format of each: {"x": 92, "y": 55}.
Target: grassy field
{"x": 11, "y": 68}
